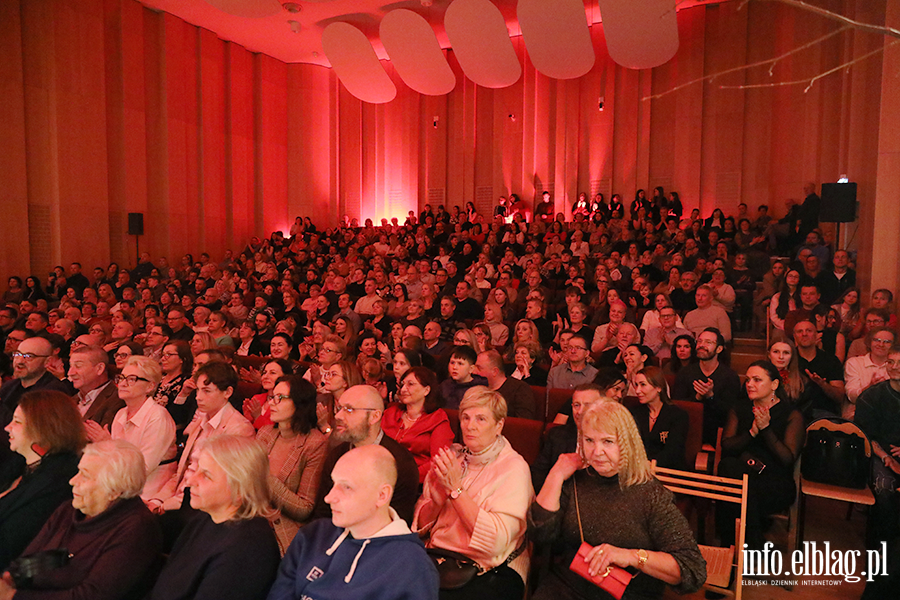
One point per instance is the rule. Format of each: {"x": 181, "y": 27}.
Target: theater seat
{"x": 525, "y": 436}
{"x": 555, "y": 400}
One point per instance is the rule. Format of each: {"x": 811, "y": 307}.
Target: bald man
{"x": 366, "y": 551}
{"x": 29, "y": 373}
{"x": 357, "y": 423}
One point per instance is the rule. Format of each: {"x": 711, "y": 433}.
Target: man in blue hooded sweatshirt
{"x": 366, "y": 551}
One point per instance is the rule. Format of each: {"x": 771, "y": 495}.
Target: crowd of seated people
{"x": 426, "y": 338}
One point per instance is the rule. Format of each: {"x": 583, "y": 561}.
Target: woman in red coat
{"x": 417, "y": 421}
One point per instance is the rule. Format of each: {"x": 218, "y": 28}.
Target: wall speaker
{"x": 838, "y": 203}
{"x": 136, "y": 223}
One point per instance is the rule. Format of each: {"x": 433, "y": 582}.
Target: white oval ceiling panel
{"x": 414, "y": 50}
{"x": 480, "y": 40}
{"x": 248, "y": 9}
{"x": 557, "y": 37}
{"x": 354, "y": 62}
{"x": 640, "y": 34}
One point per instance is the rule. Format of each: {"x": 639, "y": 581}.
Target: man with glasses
{"x": 575, "y": 370}
{"x": 29, "y": 374}
{"x": 357, "y": 423}
{"x": 178, "y": 323}
{"x": 11, "y": 340}
{"x": 155, "y": 340}
{"x": 875, "y": 317}
{"x": 660, "y": 339}
{"x": 710, "y": 382}
{"x": 97, "y": 400}
{"x": 861, "y": 372}
{"x": 684, "y": 298}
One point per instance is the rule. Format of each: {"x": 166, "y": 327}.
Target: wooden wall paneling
{"x": 114, "y": 82}
{"x": 350, "y": 124}
{"x": 864, "y": 149}
{"x": 132, "y": 152}
{"x": 688, "y": 123}
{"x": 723, "y": 109}
{"x": 318, "y": 140}
{"x": 599, "y": 126}
{"x": 41, "y": 134}
{"x": 172, "y": 217}
{"x": 15, "y": 250}
{"x": 540, "y": 135}
{"x": 211, "y": 214}
{"x": 270, "y": 149}
{"x": 240, "y": 129}
{"x": 400, "y": 129}
{"x": 156, "y": 240}
{"x": 511, "y": 118}
{"x": 662, "y": 130}
{"x": 625, "y": 139}
{"x": 644, "y": 123}
{"x": 432, "y": 181}
{"x": 460, "y": 143}
{"x": 885, "y": 210}
{"x": 486, "y": 141}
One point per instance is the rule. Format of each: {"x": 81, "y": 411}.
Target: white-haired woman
{"x": 611, "y": 476}
{"x": 229, "y": 552}
{"x": 105, "y": 527}
{"x": 143, "y": 422}
{"x": 475, "y": 501}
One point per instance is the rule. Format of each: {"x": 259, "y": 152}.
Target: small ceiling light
{"x": 291, "y": 7}
{"x": 426, "y": 3}
{"x": 295, "y": 25}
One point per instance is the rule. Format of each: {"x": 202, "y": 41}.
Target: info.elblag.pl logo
{"x": 816, "y": 562}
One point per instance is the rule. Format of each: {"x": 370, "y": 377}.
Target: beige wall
{"x": 111, "y": 108}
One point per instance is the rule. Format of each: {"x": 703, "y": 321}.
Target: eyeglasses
{"x": 330, "y": 375}
{"x": 129, "y": 379}
{"x": 581, "y": 348}
{"x": 170, "y": 354}
{"x": 276, "y": 399}
{"x": 349, "y": 409}
{"x": 883, "y": 340}
{"x": 29, "y": 355}
{"x": 122, "y": 354}
{"x": 329, "y": 350}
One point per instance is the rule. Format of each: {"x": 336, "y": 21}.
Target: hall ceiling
{"x": 301, "y": 42}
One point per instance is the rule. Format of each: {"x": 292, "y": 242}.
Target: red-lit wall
{"x": 110, "y": 108}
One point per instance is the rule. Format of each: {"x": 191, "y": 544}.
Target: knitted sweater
{"x": 639, "y": 516}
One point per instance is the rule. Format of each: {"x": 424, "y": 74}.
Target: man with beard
{"x": 710, "y": 382}
{"x": 357, "y": 422}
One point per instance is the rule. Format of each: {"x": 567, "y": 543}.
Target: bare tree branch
{"x": 840, "y": 18}
{"x": 811, "y": 80}
{"x": 769, "y": 61}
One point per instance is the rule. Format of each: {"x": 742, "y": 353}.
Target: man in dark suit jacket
{"x": 357, "y": 422}
{"x": 97, "y": 397}
{"x": 519, "y": 396}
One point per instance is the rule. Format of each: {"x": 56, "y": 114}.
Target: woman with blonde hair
{"x": 475, "y": 501}
{"x": 143, "y": 422}
{"x": 202, "y": 340}
{"x": 611, "y": 475}
{"x": 230, "y": 551}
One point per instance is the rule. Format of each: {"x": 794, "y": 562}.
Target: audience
{"x": 505, "y": 304}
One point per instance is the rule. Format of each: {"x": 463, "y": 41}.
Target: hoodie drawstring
{"x": 337, "y": 542}
{"x": 356, "y": 560}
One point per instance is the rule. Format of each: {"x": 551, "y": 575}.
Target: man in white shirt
{"x": 861, "y": 372}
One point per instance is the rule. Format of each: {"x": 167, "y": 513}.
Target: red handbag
{"x": 613, "y": 581}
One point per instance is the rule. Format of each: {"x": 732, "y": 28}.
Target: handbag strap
{"x": 577, "y": 511}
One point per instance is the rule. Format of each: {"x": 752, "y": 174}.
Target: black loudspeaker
{"x": 838, "y": 203}
{"x": 135, "y": 223}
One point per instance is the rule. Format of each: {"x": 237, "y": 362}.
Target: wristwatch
{"x": 642, "y": 558}
{"x": 456, "y": 493}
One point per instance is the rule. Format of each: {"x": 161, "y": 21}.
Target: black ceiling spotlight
{"x": 291, "y": 7}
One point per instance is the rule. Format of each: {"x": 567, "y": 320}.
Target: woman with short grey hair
{"x": 105, "y": 527}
